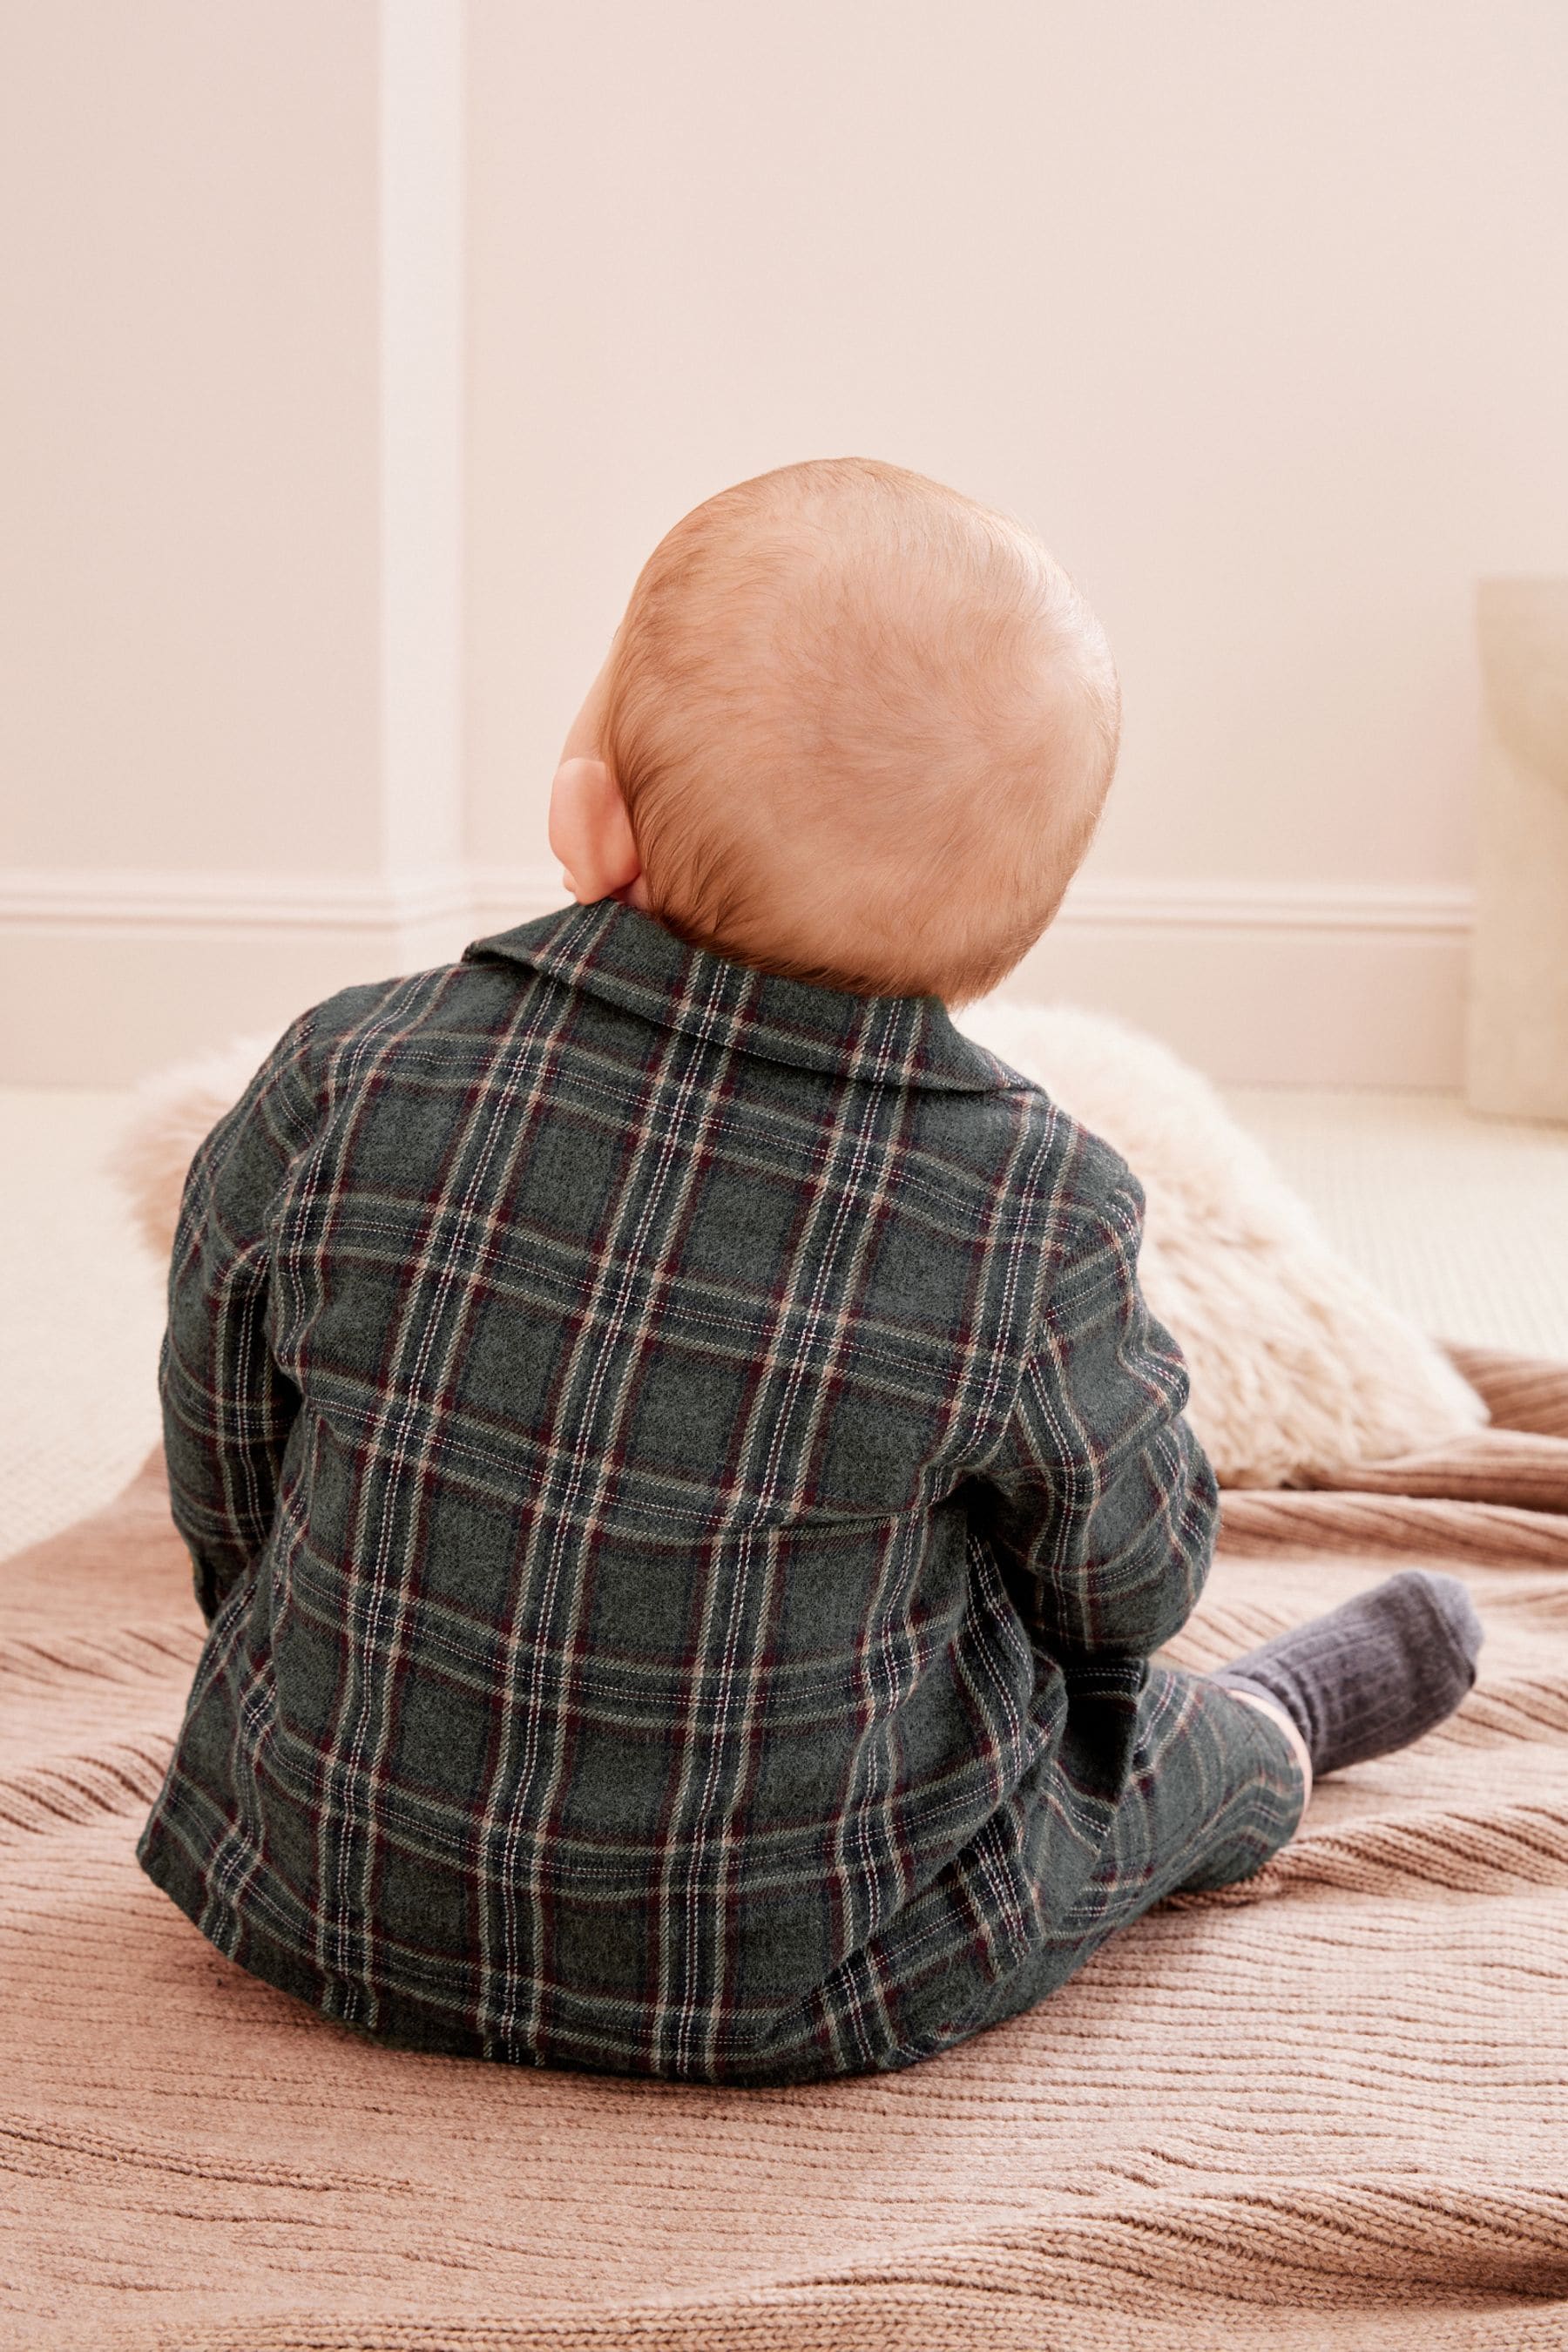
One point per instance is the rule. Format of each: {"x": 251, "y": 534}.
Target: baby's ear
{"x": 590, "y": 830}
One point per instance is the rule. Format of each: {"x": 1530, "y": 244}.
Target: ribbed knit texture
{"x": 1372, "y": 1674}
{"x": 1322, "y": 2109}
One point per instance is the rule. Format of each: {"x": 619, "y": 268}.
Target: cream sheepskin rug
{"x": 1297, "y": 1365}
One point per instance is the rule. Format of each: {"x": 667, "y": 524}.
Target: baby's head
{"x": 853, "y": 728}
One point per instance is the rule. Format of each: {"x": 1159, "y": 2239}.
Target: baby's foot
{"x": 1372, "y": 1675}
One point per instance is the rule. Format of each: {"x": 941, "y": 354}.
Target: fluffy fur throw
{"x": 1297, "y": 1365}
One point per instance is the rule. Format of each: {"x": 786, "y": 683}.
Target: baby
{"x": 683, "y": 1481}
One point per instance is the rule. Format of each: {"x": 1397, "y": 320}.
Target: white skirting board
{"x": 105, "y": 976}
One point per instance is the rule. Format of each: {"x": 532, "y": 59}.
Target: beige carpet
{"x": 1327, "y": 2110}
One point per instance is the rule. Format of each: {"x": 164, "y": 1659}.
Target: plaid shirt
{"x": 683, "y": 1485}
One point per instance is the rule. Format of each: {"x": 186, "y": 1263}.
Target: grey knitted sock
{"x": 1374, "y": 1674}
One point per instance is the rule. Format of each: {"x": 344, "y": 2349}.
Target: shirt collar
{"x": 616, "y": 951}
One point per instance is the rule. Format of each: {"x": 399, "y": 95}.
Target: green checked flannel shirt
{"x": 683, "y": 1485}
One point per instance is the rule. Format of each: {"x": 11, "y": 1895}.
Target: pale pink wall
{"x": 189, "y": 404}
{"x": 1256, "y": 312}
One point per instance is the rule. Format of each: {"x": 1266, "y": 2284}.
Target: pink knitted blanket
{"x": 1328, "y": 2108}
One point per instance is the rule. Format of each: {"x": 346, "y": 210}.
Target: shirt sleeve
{"x": 227, "y": 1407}
{"x": 1099, "y": 1501}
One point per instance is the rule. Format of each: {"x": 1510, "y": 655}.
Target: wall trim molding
{"x": 110, "y": 899}
{"x": 1226, "y": 906}
{"x": 108, "y": 973}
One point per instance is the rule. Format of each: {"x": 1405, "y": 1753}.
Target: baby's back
{"x": 626, "y": 1681}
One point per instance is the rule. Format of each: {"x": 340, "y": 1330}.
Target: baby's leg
{"x": 1223, "y": 1769}
{"x": 1366, "y": 1678}
{"x": 1217, "y": 1787}
{"x": 1272, "y": 1708}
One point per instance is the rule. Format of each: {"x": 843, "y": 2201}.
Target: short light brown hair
{"x": 864, "y": 729}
